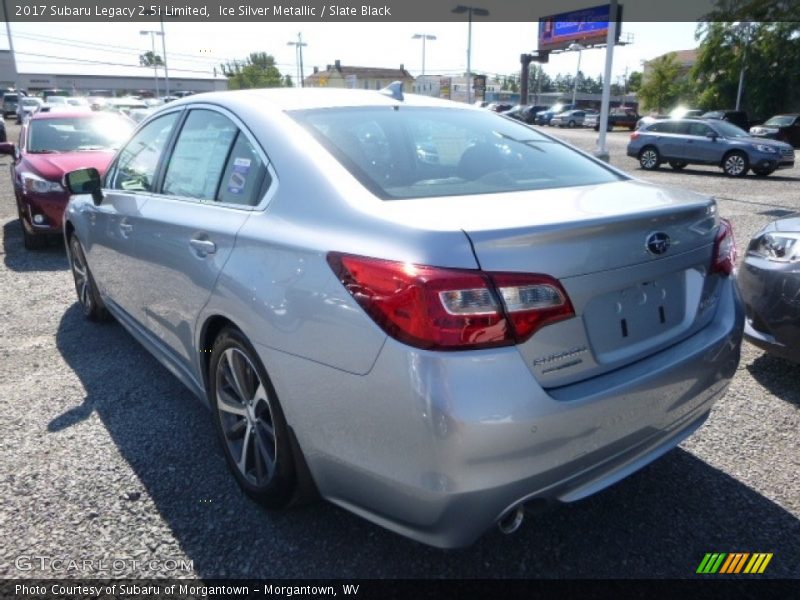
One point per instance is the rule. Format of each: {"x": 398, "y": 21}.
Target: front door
{"x": 112, "y": 234}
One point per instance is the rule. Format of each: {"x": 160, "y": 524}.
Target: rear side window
{"x": 135, "y": 168}
{"x": 214, "y": 161}
{"x": 200, "y": 154}
{"x": 699, "y": 129}
{"x": 417, "y": 152}
{"x": 245, "y": 177}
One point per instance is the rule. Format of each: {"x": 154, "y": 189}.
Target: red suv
{"x": 51, "y": 144}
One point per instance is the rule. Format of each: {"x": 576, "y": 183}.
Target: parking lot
{"x": 105, "y": 455}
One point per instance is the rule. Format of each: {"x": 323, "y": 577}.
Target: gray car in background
{"x": 427, "y": 313}
{"x": 681, "y": 142}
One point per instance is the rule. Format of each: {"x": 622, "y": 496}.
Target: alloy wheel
{"x": 735, "y": 165}
{"x": 80, "y": 272}
{"x": 649, "y": 159}
{"x": 246, "y": 417}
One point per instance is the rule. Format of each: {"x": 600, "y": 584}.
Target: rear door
{"x": 675, "y": 142}
{"x": 214, "y": 178}
{"x": 700, "y": 147}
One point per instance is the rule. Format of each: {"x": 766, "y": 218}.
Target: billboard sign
{"x": 588, "y": 27}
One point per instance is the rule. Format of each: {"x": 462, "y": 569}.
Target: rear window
{"x": 78, "y": 134}
{"x": 10, "y": 97}
{"x": 410, "y": 152}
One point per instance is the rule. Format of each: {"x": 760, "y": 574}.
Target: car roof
{"x": 287, "y": 99}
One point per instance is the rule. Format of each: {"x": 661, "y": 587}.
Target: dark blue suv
{"x": 680, "y": 142}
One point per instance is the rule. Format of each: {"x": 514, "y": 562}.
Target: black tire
{"x": 649, "y": 158}
{"x": 597, "y": 127}
{"x": 571, "y": 124}
{"x": 678, "y": 164}
{"x": 85, "y": 287}
{"x": 763, "y": 172}
{"x": 249, "y": 421}
{"x": 735, "y": 164}
{"x": 31, "y": 241}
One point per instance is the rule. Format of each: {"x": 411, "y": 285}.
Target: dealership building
{"x": 120, "y": 85}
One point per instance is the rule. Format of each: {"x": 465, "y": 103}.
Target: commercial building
{"x": 338, "y": 75}
{"x": 79, "y": 83}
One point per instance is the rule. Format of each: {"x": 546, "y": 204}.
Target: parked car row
{"x": 269, "y": 246}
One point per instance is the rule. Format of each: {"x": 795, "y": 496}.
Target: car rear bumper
{"x": 439, "y": 446}
{"x": 771, "y": 293}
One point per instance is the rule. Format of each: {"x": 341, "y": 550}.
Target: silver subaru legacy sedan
{"x": 428, "y": 313}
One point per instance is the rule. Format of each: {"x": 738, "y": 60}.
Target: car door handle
{"x": 125, "y": 228}
{"x": 203, "y": 247}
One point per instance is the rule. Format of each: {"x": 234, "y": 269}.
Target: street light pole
{"x": 298, "y": 57}
{"x": 164, "y": 51}
{"x": 580, "y": 50}
{"x": 479, "y": 12}
{"x": 152, "y": 33}
{"x": 423, "y": 37}
{"x": 746, "y": 27}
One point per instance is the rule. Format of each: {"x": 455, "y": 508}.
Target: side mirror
{"x": 712, "y": 135}
{"x": 85, "y": 181}
{"x": 8, "y": 148}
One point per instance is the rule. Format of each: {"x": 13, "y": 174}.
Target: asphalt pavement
{"x": 105, "y": 455}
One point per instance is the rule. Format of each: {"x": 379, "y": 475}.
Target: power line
{"x": 89, "y": 61}
{"x": 100, "y": 47}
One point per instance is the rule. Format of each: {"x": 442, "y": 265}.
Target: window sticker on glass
{"x": 238, "y": 178}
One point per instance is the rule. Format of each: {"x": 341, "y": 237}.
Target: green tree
{"x": 662, "y": 86}
{"x": 150, "y": 59}
{"x": 256, "y": 71}
{"x": 769, "y": 54}
{"x": 634, "y": 81}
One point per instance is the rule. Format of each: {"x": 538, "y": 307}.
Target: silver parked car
{"x": 569, "y": 118}
{"x": 429, "y": 313}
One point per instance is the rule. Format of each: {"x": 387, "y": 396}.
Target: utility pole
{"x": 10, "y": 43}
{"x": 298, "y": 56}
{"x": 601, "y": 151}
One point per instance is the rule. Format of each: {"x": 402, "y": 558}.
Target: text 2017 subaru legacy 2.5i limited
{"x": 429, "y": 313}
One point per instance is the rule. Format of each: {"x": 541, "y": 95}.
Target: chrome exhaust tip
{"x": 512, "y": 520}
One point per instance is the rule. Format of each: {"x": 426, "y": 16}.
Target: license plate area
{"x": 636, "y": 317}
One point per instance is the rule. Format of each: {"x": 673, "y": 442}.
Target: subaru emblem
{"x": 657, "y": 242}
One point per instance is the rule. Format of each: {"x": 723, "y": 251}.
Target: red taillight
{"x": 451, "y": 309}
{"x": 724, "y": 257}
{"x": 634, "y": 135}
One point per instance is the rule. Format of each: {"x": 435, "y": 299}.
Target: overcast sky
{"x": 193, "y": 49}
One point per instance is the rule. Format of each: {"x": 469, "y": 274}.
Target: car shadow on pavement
{"x": 778, "y": 376}
{"x": 52, "y": 257}
{"x": 657, "y": 523}
{"x": 716, "y": 172}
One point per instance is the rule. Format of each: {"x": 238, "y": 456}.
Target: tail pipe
{"x": 512, "y": 520}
